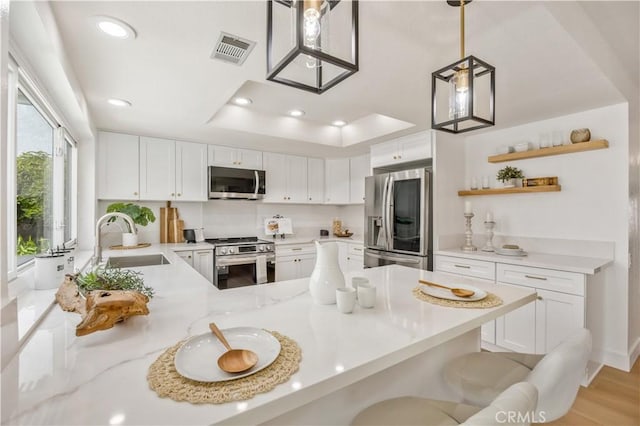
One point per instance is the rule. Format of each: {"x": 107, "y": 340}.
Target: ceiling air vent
{"x": 232, "y": 49}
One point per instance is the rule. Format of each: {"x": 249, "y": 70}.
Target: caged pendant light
{"x": 463, "y": 93}
{"x": 303, "y": 50}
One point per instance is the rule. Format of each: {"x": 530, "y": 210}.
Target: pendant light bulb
{"x": 312, "y": 27}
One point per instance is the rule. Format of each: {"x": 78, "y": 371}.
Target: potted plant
{"x": 140, "y": 215}
{"x": 508, "y": 176}
{"x": 105, "y": 278}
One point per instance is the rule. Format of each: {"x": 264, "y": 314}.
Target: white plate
{"x": 442, "y": 293}
{"x": 197, "y": 358}
{"x": 510, "y": 252}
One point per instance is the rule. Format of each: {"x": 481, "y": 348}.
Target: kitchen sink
{"x": 133, "y": 261}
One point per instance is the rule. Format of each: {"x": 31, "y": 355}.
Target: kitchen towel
{"x": 261, "y": 269}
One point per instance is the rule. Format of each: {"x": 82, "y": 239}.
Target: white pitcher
{"x": 326, "y": 275}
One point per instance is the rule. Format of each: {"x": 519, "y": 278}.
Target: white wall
{"x": 237, "y": 218}
{"x": 593, "y": 204}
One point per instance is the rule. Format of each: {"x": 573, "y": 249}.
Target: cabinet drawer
{"x": 356, "y": 250}
{"x": 295, "y": 249}
{"x": 466, "y": 267}
{"x": 545, "y": 279}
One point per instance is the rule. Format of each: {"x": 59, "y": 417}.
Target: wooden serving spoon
{"x": 460, "y": 292}
{"x": 234, "y": 360}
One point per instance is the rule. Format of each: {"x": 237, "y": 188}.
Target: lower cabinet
{"x": 295, "y": 261}
{"x": 516, "y": 330}
{"x": 200, "y": 260}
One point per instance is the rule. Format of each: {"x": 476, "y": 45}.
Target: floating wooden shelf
{"x": 523, "y": 190}
{"x": 554, "y": 150}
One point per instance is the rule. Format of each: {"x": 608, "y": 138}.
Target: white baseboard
{"x": 634, "y": 353}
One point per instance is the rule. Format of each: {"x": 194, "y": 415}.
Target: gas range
{"x": 241, "y": 246}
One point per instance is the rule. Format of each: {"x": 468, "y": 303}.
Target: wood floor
{"x": 612, "y": 399}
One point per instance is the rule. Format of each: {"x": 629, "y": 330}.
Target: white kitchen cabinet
{"x": 200, "y": 260}
{"x": 191, "y": 171}
{"x": 558, "y": 316}
{"x": 171, "y": 170}
{"x": 315, "y": 180}
{"x": 186, "y": 255}
{"x": 157, "y": 169}
{"x": 517, "y": 329}
{"x": 359, "y": 168}
{"x": 118, "y": 165}
{"x": 226, "y": 156}
{"x": 286, "y": 178}
{"x": 295, "y": 261}
{"x": 355, "y": 257}
{"x": 337, "y": 182}
{"x": 403, "y": 150}
{"x": 477, "y": 269}
{"x": 203, "y": 263}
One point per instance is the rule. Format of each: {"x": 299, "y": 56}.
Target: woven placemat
{"x": 167, "y": 383}
{"x": 488, "y": 302}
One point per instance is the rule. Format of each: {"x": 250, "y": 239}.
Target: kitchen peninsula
{"x": 101, "y": 378}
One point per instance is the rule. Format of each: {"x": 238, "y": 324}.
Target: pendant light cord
{"x": 462, "y": 29}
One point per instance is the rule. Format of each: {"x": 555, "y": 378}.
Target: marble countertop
{"x": 583, "y": 265}
{"x": 58, "y": 378}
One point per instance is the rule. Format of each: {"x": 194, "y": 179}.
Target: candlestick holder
{"x": 468, "y": 234}
{"x": 488, "y": 230}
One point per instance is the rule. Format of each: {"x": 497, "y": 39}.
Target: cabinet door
{"x": 315, "y": 180}
{"x": 249, "y": 159}
{"x": 296, "y": 179}
{"x": 275, "y": 166}
{"x": 203, "y": 263}
{"x": 157, "y": 169}
{"x": 359, "y": 168}
{"x": 337, "y": 181}
{"x": 222, "y": 156}
{"x": 384, "y": 154}
{"x": 343, "y": 255}
{"x": 558, "y": 316}
{"x": 187, "y": 256}
{"x": 118, "y": 166}
{"x": 191, "y": 171}
{"x": 415, "y": 147}
{"x": 355, "y": 263}
{"x": 286, "y": 268}
{"x": 516, "y": 330}
{"x": 306, "y": 265}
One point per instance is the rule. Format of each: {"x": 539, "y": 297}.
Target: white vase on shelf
{"x": 326, "y": 275}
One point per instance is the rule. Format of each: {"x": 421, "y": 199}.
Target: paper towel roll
{"x": 261, "y": 269}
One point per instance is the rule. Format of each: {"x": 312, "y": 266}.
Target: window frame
{"x": 19, "y": 80}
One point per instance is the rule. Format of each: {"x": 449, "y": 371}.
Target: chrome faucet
{"x": 97, "y": 251}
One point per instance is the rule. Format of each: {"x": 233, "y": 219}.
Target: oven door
{"x": 241, "y": 271}
{"x": 227, "y": 182}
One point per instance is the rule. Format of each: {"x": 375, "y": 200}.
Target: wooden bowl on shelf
{"x": 343, "y": 234}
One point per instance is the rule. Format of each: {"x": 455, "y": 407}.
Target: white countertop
{"x": 59, "y": 378}
{"x": 583, "y": 265}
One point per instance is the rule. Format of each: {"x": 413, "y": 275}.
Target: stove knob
{"x": 231, "y": 250}
{"x": 223, "y": 251}
{"x": 263, "y": 248}
{"x": 270, "y": 248}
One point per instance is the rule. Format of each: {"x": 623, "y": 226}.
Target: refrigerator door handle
{"x": 389, "y": 227}
{"x": 393, "y": 258}
{"x": 385, "y": 224}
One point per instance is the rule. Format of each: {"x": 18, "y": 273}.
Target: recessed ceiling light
{"x": 242, "y": 101}
{"x": 119, "y": 102}
{"x": 296, "y": 113}
{"x": 114, "y": 27}
{"x": 339, "y": 123}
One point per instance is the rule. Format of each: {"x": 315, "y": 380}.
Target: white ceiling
{"x": 178, "y": 92}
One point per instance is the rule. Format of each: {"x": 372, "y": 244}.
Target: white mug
{"x": 366, "y": 295}
{"x": 356, "y": 281}
{"x": 345, "y": 299}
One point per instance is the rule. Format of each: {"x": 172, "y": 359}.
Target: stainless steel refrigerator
{"x": 398, "y": 219}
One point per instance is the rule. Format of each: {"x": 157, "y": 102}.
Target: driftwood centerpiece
{"x": 100, "y": 309}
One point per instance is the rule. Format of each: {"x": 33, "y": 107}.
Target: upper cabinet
{"x": 286, "y": 178}
{"x": 337, "y": 184}
{"x": 163, "y": 169}
{"x": 118, "y": 164}
{"x": 359, "y": 168}
{"x": 238, "y": 158}
{"x": 315, "y": 180}
{"x": 403, "y": 150}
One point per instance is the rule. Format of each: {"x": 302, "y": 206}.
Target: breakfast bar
{"x": 348, "y": 361}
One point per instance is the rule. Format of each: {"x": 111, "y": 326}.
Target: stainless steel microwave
{"x": 230, "y": 183}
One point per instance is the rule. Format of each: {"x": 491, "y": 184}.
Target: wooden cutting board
{"x": 167, "y": 228}
{"x": 176, "y": 226}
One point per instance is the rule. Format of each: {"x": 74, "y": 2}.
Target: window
{"x": 44, "y": 160}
